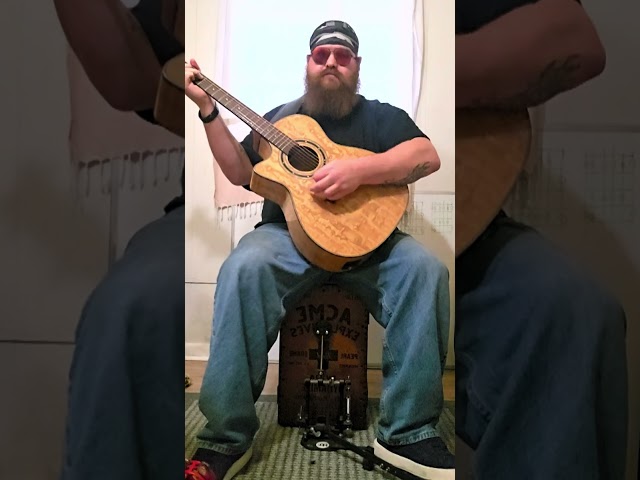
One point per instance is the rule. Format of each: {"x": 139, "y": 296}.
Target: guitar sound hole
{"x": 302, "y": 158}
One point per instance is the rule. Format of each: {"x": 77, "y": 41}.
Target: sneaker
{"x": 429, "y": 458}
{"x": 209, "y": 465}
{"x": 197, "y": 470}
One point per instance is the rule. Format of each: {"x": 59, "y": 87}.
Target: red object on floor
{"x": 197, "y": 470}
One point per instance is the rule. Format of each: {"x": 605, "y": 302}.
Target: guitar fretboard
{"x": 248, "y": 116}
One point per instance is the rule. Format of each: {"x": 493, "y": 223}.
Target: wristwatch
{"x": 211, "y": 117}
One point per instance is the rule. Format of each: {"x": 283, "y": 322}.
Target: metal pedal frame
{"x": 320, "y": 436}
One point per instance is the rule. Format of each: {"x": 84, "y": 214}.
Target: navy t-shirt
{"x": 372, "y": 125}
{"x": 472, "y": 14}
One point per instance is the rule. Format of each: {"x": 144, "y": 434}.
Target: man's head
{"x": 333, "y": 70}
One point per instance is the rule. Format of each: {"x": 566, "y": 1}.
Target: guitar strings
{"x": 306, "y": 158}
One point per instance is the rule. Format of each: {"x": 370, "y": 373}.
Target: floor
{"x": 195, "y": 370}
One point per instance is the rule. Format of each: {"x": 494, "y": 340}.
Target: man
{"x": 265, "y": 274}
{"x": 540, "y": 348}
{"x": 126, "y": 398}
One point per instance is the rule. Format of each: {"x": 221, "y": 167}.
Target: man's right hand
{"x": 204, "y": 102}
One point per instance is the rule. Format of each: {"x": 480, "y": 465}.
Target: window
{"x": 262, "y": 48}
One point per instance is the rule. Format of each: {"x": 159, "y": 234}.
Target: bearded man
{"x": 404, "y": 286}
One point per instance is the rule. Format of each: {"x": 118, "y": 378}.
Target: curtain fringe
{"x": 131, "y": 168}
{"x": 240, "y": 211}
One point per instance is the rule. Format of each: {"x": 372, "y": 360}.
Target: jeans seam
{"x": 385, "y": 347}
{"x": 384, "y": 305}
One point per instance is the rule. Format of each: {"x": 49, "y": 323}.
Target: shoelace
{"x": 197, "y": 470}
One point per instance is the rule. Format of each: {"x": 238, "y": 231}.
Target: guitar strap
{"x": 287, "y": 109}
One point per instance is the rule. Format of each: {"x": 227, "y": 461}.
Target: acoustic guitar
{"x": 491, "y": 152}
{"x": 333, "y": 235}
{"x": 492, "y": 147}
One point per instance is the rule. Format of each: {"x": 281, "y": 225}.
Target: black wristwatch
{"x": 211, "y": 117}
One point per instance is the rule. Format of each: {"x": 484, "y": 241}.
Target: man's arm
{"x": 527, "y": 56}
{"x": 113, "y": 50}
{"x": 403, "y": 164}
{"x": 227, "y": 151}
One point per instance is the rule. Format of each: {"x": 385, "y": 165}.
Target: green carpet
{"x": 278, "y": 455}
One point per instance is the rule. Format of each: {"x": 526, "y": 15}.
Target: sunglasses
{"x": 342, "y": 56}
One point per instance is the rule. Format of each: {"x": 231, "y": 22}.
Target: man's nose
{"x": 331, "y": 61}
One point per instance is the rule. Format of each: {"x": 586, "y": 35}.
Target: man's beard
{"x": 335, "y": 101}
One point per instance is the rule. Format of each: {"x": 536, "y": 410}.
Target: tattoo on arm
{"x": 417, "y": 173}
{"x": 557, "y": 77}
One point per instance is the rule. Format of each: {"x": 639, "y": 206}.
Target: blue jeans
{"x": 126, "y": 395}
{"x": 541, "y": 381}
{"x": 404, "y": 287}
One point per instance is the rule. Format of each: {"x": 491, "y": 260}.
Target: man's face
{"x": 332, "y": 80}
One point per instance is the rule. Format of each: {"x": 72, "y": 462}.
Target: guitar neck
{"x": 248, "y": 116}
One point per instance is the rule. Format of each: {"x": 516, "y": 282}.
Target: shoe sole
{"x": 239, "y": 465}
{"x": 420, "y": 471}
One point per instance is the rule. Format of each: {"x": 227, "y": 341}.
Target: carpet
{"x": 278, "y": 455}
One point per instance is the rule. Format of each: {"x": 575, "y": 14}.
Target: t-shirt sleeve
{"x": 395, "y": 126}
{"x": 471, "y": 14}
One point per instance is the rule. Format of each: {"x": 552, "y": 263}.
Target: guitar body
{"x": 491, "y": 152}
{"x": 169, "y": 106}
{"x": 329, "y": 234}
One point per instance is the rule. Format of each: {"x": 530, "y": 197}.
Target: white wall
{"x": 43, "y": 276}
{"x": 211, "y": 234}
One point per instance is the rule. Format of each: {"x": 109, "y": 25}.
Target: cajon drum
{"x": 345, "y": 351}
